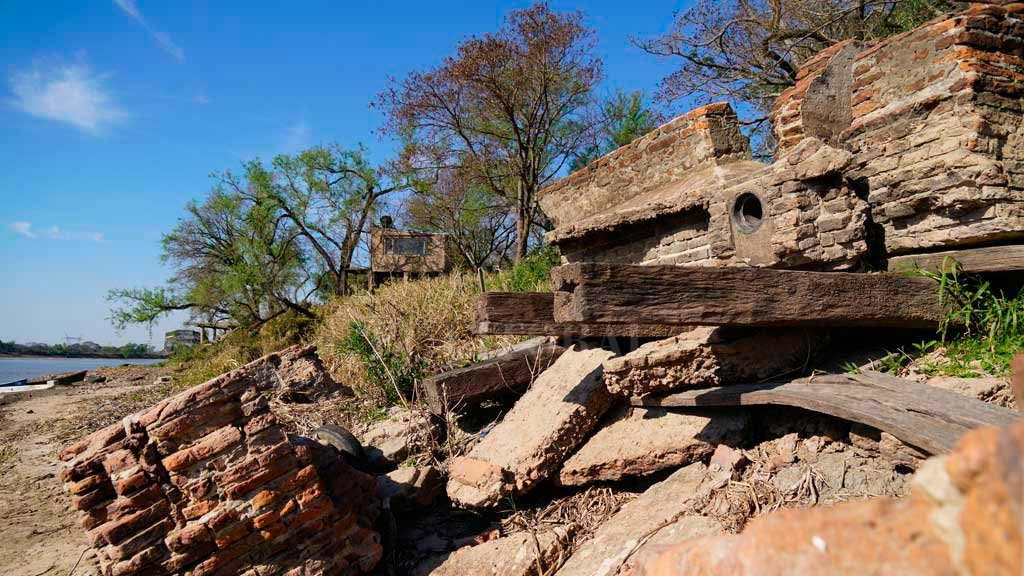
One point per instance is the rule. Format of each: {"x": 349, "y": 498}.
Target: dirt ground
{"x": 39, "y": 531}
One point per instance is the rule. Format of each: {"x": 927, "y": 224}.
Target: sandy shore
{"x": 38, "y": 527}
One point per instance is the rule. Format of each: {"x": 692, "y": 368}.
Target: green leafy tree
{"x": 329, "y": 196}
{"x": 133, "y": 350}
{"x": 233, "y": 259}
{"x": 624, "y": 118}
{"x": 266, "y": 241}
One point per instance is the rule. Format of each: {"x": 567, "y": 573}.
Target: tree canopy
{"x": 268, "y": 240}
{"x": 625, "y": 117}
{"x": 749, "y": 51}
{"x": 508, "y": 111}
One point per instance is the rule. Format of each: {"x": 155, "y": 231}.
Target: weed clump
{"x": 980, "y": 335}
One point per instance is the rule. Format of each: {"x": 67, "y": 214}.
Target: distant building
{"x": 91, "y": 347}
{"x": 176, "y": 338}
{"x": 400, "y": 254}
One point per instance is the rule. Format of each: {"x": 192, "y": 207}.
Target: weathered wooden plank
{"x": 502, "y": 376}
{"x": 609, "y": 293}
{"x": 991, "y": 259}
{"x": 930, "y": 418}
{"x": 532, "y": 313}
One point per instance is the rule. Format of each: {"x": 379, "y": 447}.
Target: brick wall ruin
{"x": 937, "y": 133}
{"x": 207, "y": 482}
{"x": 912, "y": 143}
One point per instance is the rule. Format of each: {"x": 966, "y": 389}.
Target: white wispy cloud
{"x": 23, "y": 228}
{"x": 70, "y": 93}
{"x": 296, "y": 136}
{"x": 168, "y": 45}
{"x": 53, "y": 232}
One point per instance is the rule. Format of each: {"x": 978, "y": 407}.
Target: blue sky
{"x": 113, "y": 113}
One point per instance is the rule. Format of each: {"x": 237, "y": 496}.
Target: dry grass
{"x": 428, "y": 321}
{"x": 584, "y": 512}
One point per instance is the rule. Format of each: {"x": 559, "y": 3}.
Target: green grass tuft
{"x": 981, "y": 334}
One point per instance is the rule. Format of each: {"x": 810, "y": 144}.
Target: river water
{"x": 12, "y": 369}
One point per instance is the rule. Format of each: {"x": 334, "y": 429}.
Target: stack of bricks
{"x": 207, "y": 482}
{"x": 810, "y": 216}
{"x": 936, "y": 130}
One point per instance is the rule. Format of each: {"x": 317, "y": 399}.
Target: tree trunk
{"x": 522, "y": 231}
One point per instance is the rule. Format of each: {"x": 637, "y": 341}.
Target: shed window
{"x": 406, "y": 246}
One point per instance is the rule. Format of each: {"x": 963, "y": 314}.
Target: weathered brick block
{"x": 206, "y": 482}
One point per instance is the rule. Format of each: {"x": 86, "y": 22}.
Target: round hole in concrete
{"x": 747, "y": 213}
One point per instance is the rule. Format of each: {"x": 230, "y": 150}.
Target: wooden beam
{"x": 991, "y": 259}
{"x": 930, "y": 418}
{"x": 609, "y": 293}
{"x": 532, "y": 314}
{"x": 504, "y": 376}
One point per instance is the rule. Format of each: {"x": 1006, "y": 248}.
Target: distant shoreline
{"x": 83, "y": 357}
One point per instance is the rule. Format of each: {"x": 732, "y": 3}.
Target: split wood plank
{"x": 611, "y": 293}
{"x": 931, "y": 418}
{"x": 503, "y": 376}
{"x": 990, "y": 259}
{"x": 532, "y": 314}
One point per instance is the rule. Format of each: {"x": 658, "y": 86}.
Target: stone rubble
{"x": 662, "y": 506}
{"x": 906, "y": 145}
{"x": 989, "y": 389}
{"x": 964, "y": 516}
{"x": 708, "y": 356}
{"x": 520, "y": 554}
{"x": 641, "y": 441}
{"x": 402, "y": 432}
{"x": 533, "y": 439}
{"x": 411, "y": 487}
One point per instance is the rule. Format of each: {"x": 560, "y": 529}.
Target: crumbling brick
{"x": 909, "y": 144}
{"x": 207, "y": 482}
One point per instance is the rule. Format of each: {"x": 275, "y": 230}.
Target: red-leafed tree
{"x": 507, "y": 111}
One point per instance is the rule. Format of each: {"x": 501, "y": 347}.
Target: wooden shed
{"x": 402, "y": 254}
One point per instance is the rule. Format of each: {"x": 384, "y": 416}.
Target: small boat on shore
{"x": 21, "y": 382}
{"x": 23, "y": 387}
{"x": 63, "y": 379}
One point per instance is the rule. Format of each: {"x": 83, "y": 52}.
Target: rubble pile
{"x": 886, "y": 149}
{"x": 207, "y": 482}
{"x": 963, "y": 516}
{"x": 905, "y": 145}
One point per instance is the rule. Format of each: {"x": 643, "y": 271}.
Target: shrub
{"x": 531, "y": 274}
{"x": 419, "y": 327}
{"x": 391, "y": 374}
{"x": 984, "y": 328}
